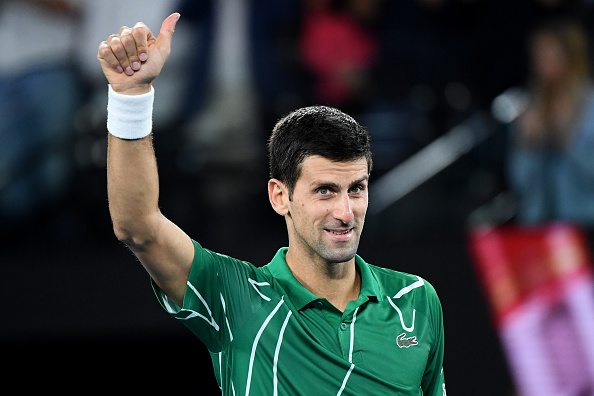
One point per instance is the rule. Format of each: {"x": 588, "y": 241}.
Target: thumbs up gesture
{"x": 133, "y": 58}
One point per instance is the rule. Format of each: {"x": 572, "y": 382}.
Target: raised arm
{"x": 131, "y": 60}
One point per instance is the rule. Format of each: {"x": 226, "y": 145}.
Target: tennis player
{"x": 317, "y": 319}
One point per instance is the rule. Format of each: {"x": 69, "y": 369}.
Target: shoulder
{"x": 221, "y": 265}
{"x": 397, "y": 284}
{"x": 391, "y": 275}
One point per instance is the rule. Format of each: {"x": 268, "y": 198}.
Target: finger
{"x": 129, "y": 43}
{"x": 167, "y": 29}
{"x": 122, "y": 29}
{"x": 142, "y": 34}
{"x": 120, "y": 53}
{"x": 105, "y": 54}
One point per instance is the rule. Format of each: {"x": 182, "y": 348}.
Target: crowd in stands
{"x": 408, "y": 70}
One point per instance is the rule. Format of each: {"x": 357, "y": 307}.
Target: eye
{"x": 324, "y": 191}
{"x": 356, "y": 189}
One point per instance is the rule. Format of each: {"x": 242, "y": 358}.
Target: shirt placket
{"x": 347, "y": 335}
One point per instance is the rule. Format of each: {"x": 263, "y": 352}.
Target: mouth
{"x": 340, "y": 234}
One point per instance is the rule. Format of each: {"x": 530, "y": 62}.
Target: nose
{"x": 343, "y": 210}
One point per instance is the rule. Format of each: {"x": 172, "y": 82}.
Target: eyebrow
{"x": 335, "y": 186}
{"x": 359, "y": 181}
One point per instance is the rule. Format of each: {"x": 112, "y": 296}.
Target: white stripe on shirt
{"x": 352, "y": 335}
{"x": 276, "y": 352}
{"x": 255, "y": 344}
{"x": 254, "y": 284}
{"x": 194, "y": 313}
{"x": 406, "y": 289}
{"x": 226, "y": 318}
{"x": 409, "y": 329}
{"x": 346, "y": 378}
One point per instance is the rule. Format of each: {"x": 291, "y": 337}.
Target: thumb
{"x": 167, "y": 29}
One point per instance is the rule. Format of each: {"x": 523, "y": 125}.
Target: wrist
{"x": 130, "y": 116}
{"x": 132, "y": 89}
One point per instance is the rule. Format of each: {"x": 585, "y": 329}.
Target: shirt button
{"x": 343, "y": 326}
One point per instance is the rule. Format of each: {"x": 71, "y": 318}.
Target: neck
{"x": 339, "y": 283}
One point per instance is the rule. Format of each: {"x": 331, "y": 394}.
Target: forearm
{"x": 133, "y": 189}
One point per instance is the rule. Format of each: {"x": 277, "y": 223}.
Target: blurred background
{"x": 481, "y": 114}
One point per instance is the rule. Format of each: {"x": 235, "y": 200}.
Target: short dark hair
{"x": 315, "y": 130}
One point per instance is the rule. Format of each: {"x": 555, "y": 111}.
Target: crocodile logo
{"x": 406, "y": 342}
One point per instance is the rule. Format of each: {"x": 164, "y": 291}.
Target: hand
{"x": 133, "y": 58}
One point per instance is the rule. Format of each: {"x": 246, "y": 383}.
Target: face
{"x": 326, "y": 215}
{"x": 549, "y": 59}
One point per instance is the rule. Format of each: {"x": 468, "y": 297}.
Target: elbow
{"x": 121, "y": 233}
{"x": 137, "y": 241}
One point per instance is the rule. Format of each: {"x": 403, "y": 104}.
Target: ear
{"x": 278, "y": 194}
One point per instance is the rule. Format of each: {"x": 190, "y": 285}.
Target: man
{"x": 317, "y": 320}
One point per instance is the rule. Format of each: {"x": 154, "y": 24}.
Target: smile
{"x": 340, "y": 235}
{"x": 341, "y": 232}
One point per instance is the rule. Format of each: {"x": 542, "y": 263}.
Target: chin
{"x": 339, "y": 256}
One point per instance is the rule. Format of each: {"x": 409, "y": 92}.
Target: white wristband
{"x": 130, "y": 116}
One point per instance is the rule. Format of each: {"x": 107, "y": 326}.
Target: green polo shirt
{"x": 268, "y": 335}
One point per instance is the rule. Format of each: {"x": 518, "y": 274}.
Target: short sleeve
{"x": 218, "y": 297}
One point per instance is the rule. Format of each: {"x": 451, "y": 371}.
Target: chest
{"x": 386, "y": 340}
{"x": 376, "y": 344}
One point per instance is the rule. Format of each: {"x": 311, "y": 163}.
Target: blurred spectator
{"x": 221, "y": 106}
{"x": 238, "y": 88}
{"x": 222, "y": 97}
{"x": 245, "y": 46}
{"x": 551, "y": 161}
{"x": 39, "y": 92}
{"x": 339, "y": 48}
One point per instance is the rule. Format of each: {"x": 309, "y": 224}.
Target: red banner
{"x": 540, "y": 286}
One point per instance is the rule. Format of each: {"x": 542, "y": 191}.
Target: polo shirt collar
{"x": 300, "y": 296}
